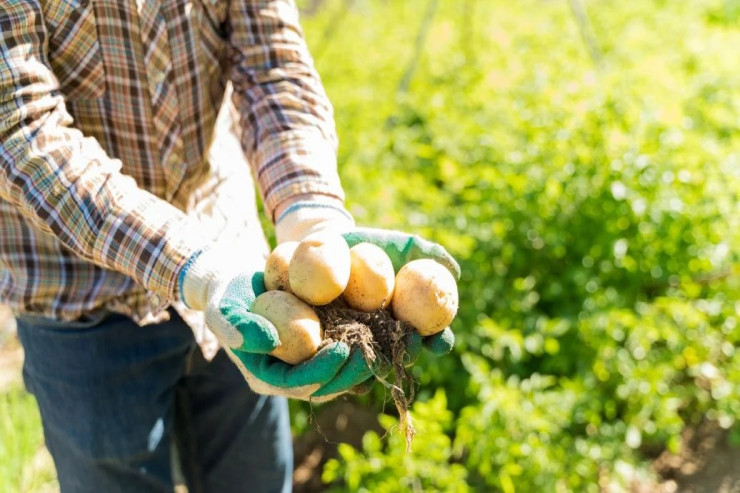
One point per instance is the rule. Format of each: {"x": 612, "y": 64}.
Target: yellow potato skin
{"x": 297, "y": 324}
{"x": 277, "y": 265}
{"x": 371, "y": 278}
{"x": 319, "y": 270}
{"x": 425, "y": 296}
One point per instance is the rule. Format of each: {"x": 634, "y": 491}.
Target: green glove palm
{"x": 227, "y": 299}
{"x": 402, "y": 248}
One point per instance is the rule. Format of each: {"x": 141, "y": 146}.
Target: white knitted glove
{"x": 224, "y": 284}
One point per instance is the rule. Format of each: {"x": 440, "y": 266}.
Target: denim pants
{"x": 124, "y": 406}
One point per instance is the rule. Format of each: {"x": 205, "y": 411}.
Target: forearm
{"x": 67, "y": 186}
{"x": 289, "y": 135}
{"x": 64, "y": 183}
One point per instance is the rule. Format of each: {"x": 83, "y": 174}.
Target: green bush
{"x": 593, "y": 206}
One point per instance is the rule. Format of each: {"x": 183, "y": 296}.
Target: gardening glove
{"x": 220, "y": 282}
{"x": 303, "y": 218}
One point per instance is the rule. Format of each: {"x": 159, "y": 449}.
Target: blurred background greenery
{"x": 581, "y": 159}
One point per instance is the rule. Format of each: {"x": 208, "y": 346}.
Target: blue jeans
{"x": 124, "y": 406}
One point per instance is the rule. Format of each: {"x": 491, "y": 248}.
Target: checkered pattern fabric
{"x": 107, "y": 112}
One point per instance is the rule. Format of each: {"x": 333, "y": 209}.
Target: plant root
{"x": 382, "y": 341}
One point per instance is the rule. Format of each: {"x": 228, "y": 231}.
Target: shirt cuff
{"x": 296, "y": 163}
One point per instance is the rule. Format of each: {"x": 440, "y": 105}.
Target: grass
{"x": 25, "y": 465}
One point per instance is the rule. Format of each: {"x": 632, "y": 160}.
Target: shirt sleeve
{"x": 64, "y": 183}
{"x": 287, "y": 120}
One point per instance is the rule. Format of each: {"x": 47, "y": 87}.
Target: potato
{"x": 425, "y": 296}
{"x": 276, "y": 267}
{"x": 297, "y": 324}
{"x": 371, "y": 278}
{"x": 319, "y": 270}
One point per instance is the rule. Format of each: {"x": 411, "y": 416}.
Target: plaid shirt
{"x": 107, "y": 112}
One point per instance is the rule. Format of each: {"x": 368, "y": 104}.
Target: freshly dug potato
{"x": 371, "y": 278}
{"x": 276, "y": 266}
{"x": 319, "y": 270}
{"x": 425, "y": 296}
{"x": 297, "y": 324}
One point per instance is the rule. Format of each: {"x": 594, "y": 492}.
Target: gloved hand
{"x": 219, "y": 282}
{"x": 303, "y": 218}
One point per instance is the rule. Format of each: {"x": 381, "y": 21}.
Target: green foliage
{"x": 644, "y": 378}
{"x": 594, "y": 211}
{"x": 387, "y": 468}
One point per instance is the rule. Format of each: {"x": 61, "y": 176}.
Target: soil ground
{"x": 707, "y": 463}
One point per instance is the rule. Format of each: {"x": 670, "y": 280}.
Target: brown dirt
{"x": 334, "y": 423}
{"x": 380, "y": 337}
{"x": 707, "y": 462}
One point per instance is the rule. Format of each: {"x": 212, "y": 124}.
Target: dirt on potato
{"x": 379, "y": 336}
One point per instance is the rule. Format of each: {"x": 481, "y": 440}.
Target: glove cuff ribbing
{"x": 303, "y": 218}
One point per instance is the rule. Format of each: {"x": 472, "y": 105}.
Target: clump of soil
{"x": 382, "y": 340}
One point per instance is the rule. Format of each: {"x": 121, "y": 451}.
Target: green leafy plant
{"x": 384, "y": 466}
{"x": 593, "y": 209}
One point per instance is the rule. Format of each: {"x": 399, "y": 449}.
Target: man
{"x": 111, "y": 213}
